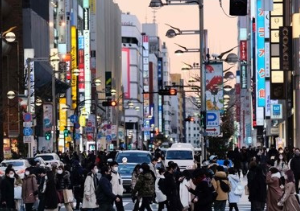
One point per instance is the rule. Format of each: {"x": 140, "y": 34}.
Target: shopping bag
{"x": 68, "y": 196}
{"x": 246, "y": 190}
{"x": 239, "y": 190}
{"x": 18, "y": 192}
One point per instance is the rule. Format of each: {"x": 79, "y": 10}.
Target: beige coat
{"x": 216, "y": 183}
{"x": 274, "y": 192}
{"x": 117, "y": 184}
{"x": 89, "y": 195}
{"x": 289, "y": 200}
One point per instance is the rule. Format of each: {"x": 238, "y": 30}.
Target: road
{"x": 243, "y": 205}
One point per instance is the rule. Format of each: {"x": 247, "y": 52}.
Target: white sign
{"x": 212, "y": 118}
{"x": 213, "y": 131}
{"x": 276, "y": 111}
{"x": 27, "y": 124}
{"x": 27, "y": 139}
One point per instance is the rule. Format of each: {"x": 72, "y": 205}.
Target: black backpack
{"x": 224, "y": 186}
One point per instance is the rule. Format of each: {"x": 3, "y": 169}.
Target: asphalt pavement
{"x": 243, "y": 205}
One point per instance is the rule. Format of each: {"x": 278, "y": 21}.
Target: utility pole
{"x": 1, "y": 87}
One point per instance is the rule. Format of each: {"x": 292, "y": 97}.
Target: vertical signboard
{"x": 29, "y": 78}
{"x": 68, "y": 67}
{"x": 267, "y": 44}
{"x": 146, "y": 87}
{"x": 243, "y": 76}
{"x": 160, "y": 98}
{"x": 47, "y": 117}
{"x": 243, "y": 50}
{"x": 108, "y": 85}
{"x": 81, "y": 78}
{"x": 74, "y": 64}
{"x": 62, "y": 113}
{"x": 126, "y": 72}
{"x": 285, "y": 48}
{"x": 260, "y": 55}
{"x": 214, "y": 86}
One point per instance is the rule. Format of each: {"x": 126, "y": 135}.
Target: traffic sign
{"x": 77, "y": 136}
{"x": 27, "y": 131}
{"x": 108, "y": 138}
{"x": 27, "y": 117}
{"x": 73, "y": 118}
{"x": 212, "y": 118}
{"x": 213, "y": 131}
{"x": 27, "y": 124}
{"x": 89, "y": 129}
{"x": 28, "y": 139}
{"x": 76, "y": 125}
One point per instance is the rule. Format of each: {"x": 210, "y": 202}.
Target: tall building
{"x": 132, "y": 81}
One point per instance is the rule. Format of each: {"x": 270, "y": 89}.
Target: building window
{"x": 194, "y": 128}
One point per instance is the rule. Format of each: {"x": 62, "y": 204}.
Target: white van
{"x": 182, "y": 154}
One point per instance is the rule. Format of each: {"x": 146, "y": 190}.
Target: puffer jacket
{"x": 29, "y": 189}
{"x": 220, "y": 175}
{"x": 145, "y": 185}
{"x": 63, "y": 181}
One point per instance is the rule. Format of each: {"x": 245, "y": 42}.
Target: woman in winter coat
{"x": 281, "y": 164}
{"x": 63, "y": 182}
{"x": 50, "y": 193}
{"x": 203, "y": 192}
{"x": 135, "y": 174}
{"x": 288, "y": 200}
{"x": 234, "y": 180}
{"x": 29, "y": 189}
{"x": 7, "y": 189}
{"x": 90, "y": 187}
{"x": 145, "y": 187}
{"x": 161, "y": 198}
{"x": 184, "y": 194}
{"x": 274, "y": 191}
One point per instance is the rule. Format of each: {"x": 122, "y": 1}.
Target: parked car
{"x": 51, "y": 158}
{"x": 18, "y": 165}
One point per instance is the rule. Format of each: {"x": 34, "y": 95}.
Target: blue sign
{"x": 276, "y": 110}
{"x": 77, "y": 136}
{"x": 27, "y": 117}
{"x": 80, "y": 43}
{"x": 108, "y": 138}
{"x": 27, "y": 131}
{"x": 260, "y": 55}
{"x": 73, "y": 118}
{"x": 76, "y": 125}
{"x": 89, "y": 129}
{"x": 212, "y": 118}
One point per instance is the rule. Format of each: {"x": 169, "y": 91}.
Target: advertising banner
{"x": 243, "y": 50}
{"x": 87, "y": 71}
{"x": 260, "y": 55}
{"x": 108, "y": 85}
{"x": 285, "y": 48}
{"x": 74, "y": 64}
{"x": 126, "y": 72}
{"x": 276, "y": 111}
{"x": 62, "y": 113}
{"x": 47, "y": 117}
{"x": 146, "y": 86}
{"x": 68, "y": 66}
{"x": 243, "y": 76}
{"x": 29, "y": 77}
{"x": 214, "y": 86}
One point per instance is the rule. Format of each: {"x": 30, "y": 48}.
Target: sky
{"x": 222, "y": 29}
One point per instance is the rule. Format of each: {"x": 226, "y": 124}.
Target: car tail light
{"x": 21, "y": 171}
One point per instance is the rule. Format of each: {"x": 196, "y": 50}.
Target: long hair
{"x": 289, "y": 176}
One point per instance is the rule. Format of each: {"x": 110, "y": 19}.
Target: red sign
{"x": 68, "y": 66}
{"x": 81, "y": 78}
{"x": 243, "y": 50}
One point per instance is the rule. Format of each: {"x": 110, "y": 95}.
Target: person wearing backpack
{"x": 160, "y": 189}
{"x": 222, "y": 186}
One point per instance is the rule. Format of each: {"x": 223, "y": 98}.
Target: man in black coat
{"x": 104, "y": 194}
{"x": 7, "y": 189}
{"x": 295, "y": 166}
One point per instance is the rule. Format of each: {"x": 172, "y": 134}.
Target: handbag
{"x": 18, "y": 192}
{"x": 246, "y": 190}
{"x": 60, "y": 196}
{"x": 239, "y": 190}
{"x": 68, "y": 195}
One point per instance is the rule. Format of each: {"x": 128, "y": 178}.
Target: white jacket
{"x": 90, "y": 193}
{"x": 117, "y": 184}
{"x": 234, "y": 181}
{"x": 185, "y": 195}
{"x": 160, "y": 197}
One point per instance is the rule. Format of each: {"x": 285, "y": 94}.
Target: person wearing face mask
{"x": 117, "y": 184}
{"x": 104, "y": 193}
{"x": 63, "y": 182}
{"x": 295, "y": 167}
{"x": 7, "y": 189}
{"x": 90, "y": 187}
{"x": 29, "y": 189}
{"x": 281, "y": 164}
{"x": 41, "y": 195}
{"x": 152, "y": 166}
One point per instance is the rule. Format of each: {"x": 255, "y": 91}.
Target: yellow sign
{"x": 62, "y": 114}
{"x": 74, "y": 64}
{"x": 82, "y": 121}
{"x": 93, "y": 6}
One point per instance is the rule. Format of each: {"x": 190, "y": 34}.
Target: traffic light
{"x": 203, "y": 119}
{"x": 238, "y": 7}
{"x": 109, "y": 103}
{"x": 48, "y": 136}
{"x": 189, "y": 119}
{"x": 66, "y": 132}
{"x": 167, "y": 92}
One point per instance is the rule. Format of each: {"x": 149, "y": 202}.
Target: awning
{"x": 43, "y": 80}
